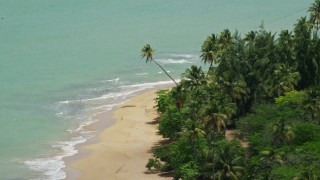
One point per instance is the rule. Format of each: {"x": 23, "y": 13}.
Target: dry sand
{"x": 124, "y": 148}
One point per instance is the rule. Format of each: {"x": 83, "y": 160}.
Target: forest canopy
{"x": 254, "y": 114}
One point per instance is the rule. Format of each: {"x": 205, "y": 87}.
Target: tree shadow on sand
{"x": 154, "y": 121}
{"x": 161, "y": 174}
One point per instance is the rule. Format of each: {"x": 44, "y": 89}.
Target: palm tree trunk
{"x": 166, "y": 72}
{"x": 213, "y": 164}
{"x": 317, "y": 29}
{"x": 209, "y": 68}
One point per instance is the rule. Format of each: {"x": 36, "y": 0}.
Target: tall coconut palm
{"x": 306, "y": 65}
{"x": 214, "y": 120}
{"x": 209, "y": 51}
{"x": 250, "y": 39}
{"x": 284, "y": 48}
{"x": 148, "y": 52}
{"x": 314, "y": 10}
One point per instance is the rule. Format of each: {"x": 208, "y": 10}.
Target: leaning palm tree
{"x": 314, "y": 10}
{"x": 148, "y": 52}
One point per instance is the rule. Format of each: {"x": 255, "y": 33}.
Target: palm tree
{"x": 209, "y": 51}
{"x": 284, "y": 48}
{"x": 193, "y": 77}
{"x": 312, "y": 103}
{"x": 236, "y": 88}
{"x": 192, "y": 133}
{"x": 281, "y": 133}
{"x": 306, "y": 65}
{"x": 283, "y": 80}
{"x": 225, "y": 39}
{"x": 179, "y": 95}
{"x": 148, "y": 52}
{"x": 250, "y": 37}
{"x": 272, "y": 156}
{"x": 314, "y": 10}
{"x": 216, "y": 121}
{"x": 230, "y": 160}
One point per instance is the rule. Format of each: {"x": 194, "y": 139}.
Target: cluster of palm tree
{"x": 243, "y": 72}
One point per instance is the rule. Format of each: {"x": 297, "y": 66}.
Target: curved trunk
{"x": 166, "y": 72}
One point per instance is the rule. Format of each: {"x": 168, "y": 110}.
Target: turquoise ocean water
{"x": 62, "y": 61}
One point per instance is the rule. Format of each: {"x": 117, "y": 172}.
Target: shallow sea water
{"x": 62, "y": 61}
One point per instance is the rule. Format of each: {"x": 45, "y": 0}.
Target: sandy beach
{"x": 123, "y": 149}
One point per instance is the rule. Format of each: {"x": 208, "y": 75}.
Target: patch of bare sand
{"x": 230, "y": 134}
{"x": 124, "y": 148}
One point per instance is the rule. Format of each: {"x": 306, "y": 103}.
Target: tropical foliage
{"x": 265, "y": 88}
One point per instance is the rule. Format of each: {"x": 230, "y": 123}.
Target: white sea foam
{"x": 186, "y": 56}
{"x": 150, "y": 85}
{"x": 141, "y": 74}
{"x": 51, "y": 167}
{"x": 83, "y": 124}
{"x": 64, "y": 102}
{"x": 174, "y": 61}
{"x": 104, "y": 108}
{"x": 111, "y": 80}
{"x": 106, "y": 96}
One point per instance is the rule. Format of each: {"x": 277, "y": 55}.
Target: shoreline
{"x": 110, "y": 142}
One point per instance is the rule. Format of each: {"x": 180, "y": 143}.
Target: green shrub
{"x": 306, "y": 155}
{"x": 171, "y": 122}
{"x": 257, "y": 143}
{"x": 188, "y": 171}
{"x": 292, "y": 99}
{"x": 262, "y": 115}
{"x": 258, "y": 169}
{"x": 305, "y": 132}
{"x": 163, "y": 100}
{"x": 154, "y": 163}
{"x": 283, "y": 172}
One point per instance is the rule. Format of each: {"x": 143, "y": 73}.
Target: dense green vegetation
{"x": 266, "y": 88}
